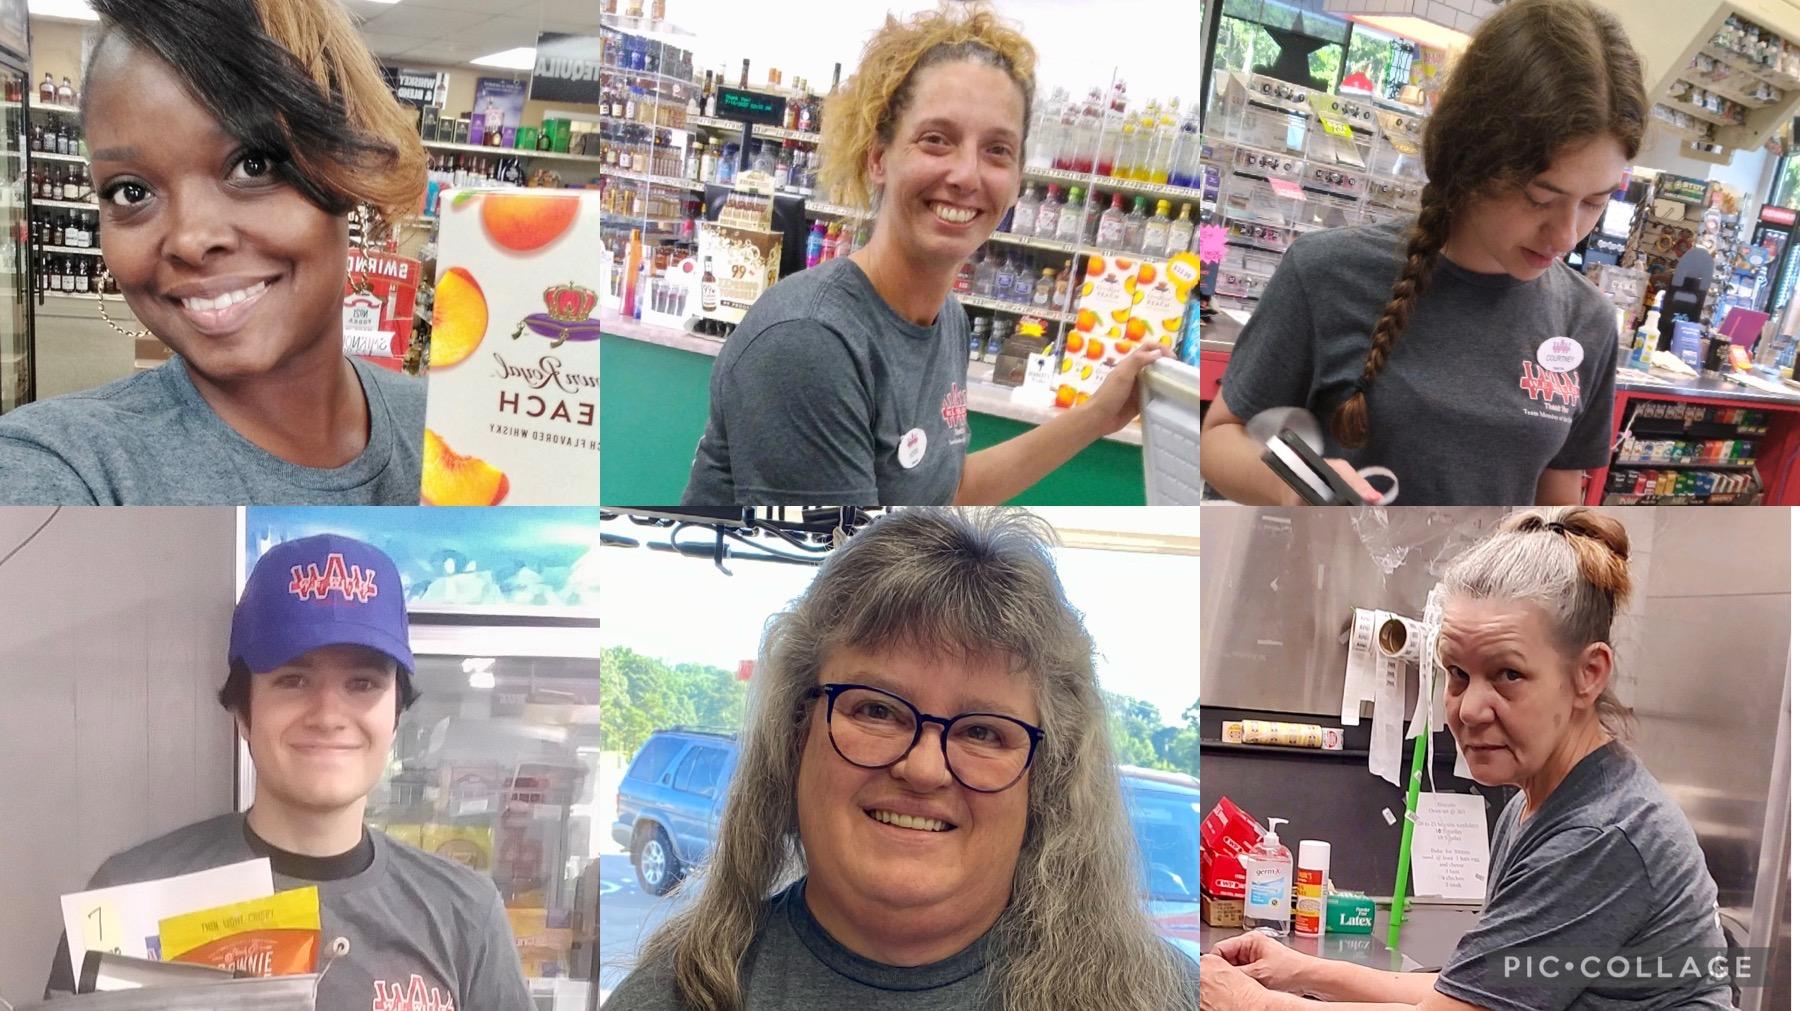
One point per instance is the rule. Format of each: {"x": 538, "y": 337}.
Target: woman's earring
{"x": 106, "y": 282}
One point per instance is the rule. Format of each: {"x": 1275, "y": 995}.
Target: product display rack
{"x": 65, "y": 117}
{"x": 1724, "y": 79}
{"x": 1686, "y": 454}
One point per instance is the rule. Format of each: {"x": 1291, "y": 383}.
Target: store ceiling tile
{"x": 422, "y": 22}
{"x": 385, "y": 45}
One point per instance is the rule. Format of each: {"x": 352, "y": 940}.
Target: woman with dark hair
{"x": 1489, "y": 376}
{"x": 229, "y": 143}
{"x": 1592, "y": 860}
{"x": 847, "y": 384}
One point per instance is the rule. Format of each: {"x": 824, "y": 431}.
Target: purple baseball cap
{"x": 325, "y": 590}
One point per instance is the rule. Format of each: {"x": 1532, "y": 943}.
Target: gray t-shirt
{"x": 1608, "y": 864}
{"x": 824, "y": 395}
{"x": 150, "y": 439}
{"x": 423, "y": 931}
{"x": 1465, "y": 413}
{"x": 794, "y": 965}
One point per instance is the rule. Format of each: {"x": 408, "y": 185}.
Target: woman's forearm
{"x": 1231, "y": 462}
{"x": 1335, "y": 980}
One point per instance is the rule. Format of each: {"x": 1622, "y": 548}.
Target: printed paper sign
{"x": 379, "y": 293}
{"x": 123, "y": 919}
{"x": 1450, "y": 846}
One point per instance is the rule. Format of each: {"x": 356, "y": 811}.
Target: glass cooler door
{"x": 17, "y": 365}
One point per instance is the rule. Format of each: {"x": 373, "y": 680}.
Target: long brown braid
{"x": 1537, "y": 76}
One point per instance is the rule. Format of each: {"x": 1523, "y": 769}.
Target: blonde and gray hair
{"x": 1573, "y": 563}
{"x": 949, "y": 583}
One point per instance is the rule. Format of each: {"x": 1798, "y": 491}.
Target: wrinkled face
{"x": 1523, "y": 232}
{"x": 861, "y": 861}
{"x": 954, "y": 166}
{"x": 1510, "y": 698}
{"x": 228, "y": 264}
{"x": 321, "y": 726}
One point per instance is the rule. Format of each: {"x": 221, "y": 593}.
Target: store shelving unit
{"x": 508, "y": 152}
{"x": 1678, "y": 43}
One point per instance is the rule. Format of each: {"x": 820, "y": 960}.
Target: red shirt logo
{"x": 351, "y": 582}
{"x": 956, "y": 408}
{"x": 1542, "y": 384}
{"x": 411, "y": 996}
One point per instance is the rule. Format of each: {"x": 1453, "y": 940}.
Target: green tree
{"x": 640, "y": 695}
{"x": 1137, "y": 728}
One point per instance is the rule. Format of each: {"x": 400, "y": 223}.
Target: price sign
{"x": 751, "y": 107}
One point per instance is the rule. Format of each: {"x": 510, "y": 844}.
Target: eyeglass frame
{"x": 832, "y": 689}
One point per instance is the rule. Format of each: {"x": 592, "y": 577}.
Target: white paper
{"x": 1450, "y": 847}
{"x": 1385, "y": 740}
{"x": 124, "y": 918}
{"x": 1359, "y": 667}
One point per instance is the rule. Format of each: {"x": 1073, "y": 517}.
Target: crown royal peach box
{"x": 512, "y": 411}
{"x": 1123, "y": 302}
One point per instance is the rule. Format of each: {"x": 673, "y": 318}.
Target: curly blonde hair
{"x": 864, "y": 113}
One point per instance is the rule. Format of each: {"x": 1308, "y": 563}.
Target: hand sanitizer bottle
{"x": 1268, "y": 884}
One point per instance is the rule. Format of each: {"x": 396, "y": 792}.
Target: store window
{"x": 674, "y": 680}
{"x": 1249, "y": 29}
{"x": 496, "y": 766}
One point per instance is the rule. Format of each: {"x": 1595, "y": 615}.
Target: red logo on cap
{"x": 350, "y": 581}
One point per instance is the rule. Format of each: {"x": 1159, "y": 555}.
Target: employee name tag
{"x": 1559, "y": 354}
{"x": 912, "y": 448}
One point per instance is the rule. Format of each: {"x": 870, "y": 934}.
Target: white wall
{"x": 112, "y": 646}
{"x": 1153, "y": 44}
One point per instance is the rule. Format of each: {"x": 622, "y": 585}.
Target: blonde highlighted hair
{"x": 864, "y": 112}
{"x": 1572, "y": 562}
{"x": 949, "y": 583}
{"x": 290, "y": 78}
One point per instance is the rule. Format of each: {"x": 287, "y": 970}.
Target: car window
{"x": 706, "y": 771}
{"x": 1167, "y": 826}
{"x": 653, "y": 758}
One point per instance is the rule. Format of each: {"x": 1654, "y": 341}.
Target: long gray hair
{"x": 1573, "y": 563}
{"x": 950, "y": 583}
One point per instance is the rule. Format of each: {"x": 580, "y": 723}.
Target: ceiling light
{"x": 73, "y": 10}
{"x": 522, "y": 58}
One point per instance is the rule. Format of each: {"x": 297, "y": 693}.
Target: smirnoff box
{"x": 513, "y": 411}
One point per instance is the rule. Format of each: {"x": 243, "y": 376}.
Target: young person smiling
{"x": 847, "y": 383}
{"x": 321, "y": 670}
{"x": 1488, "y": 378}
{"x": 229, "y": 141}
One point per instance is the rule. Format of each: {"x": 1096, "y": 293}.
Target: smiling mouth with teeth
{"x": 226, "y": 300}
{"x": 953, "y": 215}
{"x": 909, "y": 821}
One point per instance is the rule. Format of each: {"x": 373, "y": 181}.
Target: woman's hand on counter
{"x": 1225, "y": 987}
{"x": 1267, "y": 961}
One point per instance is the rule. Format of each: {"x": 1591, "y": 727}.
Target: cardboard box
{"x": 1228, "y": 829}
{"x": 1221, "y": 874}
{"x": 513, "y": 412}
{"x": 1349, "y": 913}
{"x": 1221, "y": 912}
{"x": 543, "y": 949}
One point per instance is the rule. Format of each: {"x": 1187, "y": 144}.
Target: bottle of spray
{"x": 1268, "y": 884}
{"x": 1309, "y": 881}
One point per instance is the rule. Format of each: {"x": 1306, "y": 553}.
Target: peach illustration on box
{"x": 523, "y": 223}
{"x": 459, "y": 318}
{"x": 452, "y": 479}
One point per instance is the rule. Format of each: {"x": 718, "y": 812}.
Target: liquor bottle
{"x": 1156, "y": 231}
{"x": 47, "y": 90}
{"x": 965, "y": 278}
{"x": 836, "y": 70}
{"x": 1111, "y": 233}
{"x": 984, "y": 274}
{"x": 1005, "y": 276}
{"x": 1025, "y": 212}
{"x": 744, "y": 78}
{"x": 709, "y": 285}
{"x": 815, "y": 244}
{"x": 1049, "y": 213}
{"x": 1062, "y": 283}
{"x": 1181, "y": 232}
{"x": 1046, "y": 284}
{"x": 784, "y": 167}
{"x": 72, "y": 184}
{"x": 1134, "y": 224}
{"x": 1068, "y": 225}
{"x": 65, "y": 95}
{"x": 61, "y": 230}
{"x": 834, "y": 240}
{"x": 706, "y": 96}
{"x": 82, "y": 285}
{"x": 543, "y": 141}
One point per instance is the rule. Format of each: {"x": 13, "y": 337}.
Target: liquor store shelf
{"x": 759, "y": 131}
{"x": 66, "y": 110}
{"x": 670, "y": 181}
{"x": 79, "y": 205}
{"x": 1016, "y": 308}
{"x": 84, "y": 295}
{"x": 508, "y": 152}
{"x": 75, "y": 250}
{"x": 50, "y": 156}
{"x": 1123, "y": 185}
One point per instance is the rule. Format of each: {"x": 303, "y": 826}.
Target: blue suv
{"x": 671, "y": 802}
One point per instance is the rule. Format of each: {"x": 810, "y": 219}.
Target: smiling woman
{"x": 926, "y": 813}
{"x": 229, "y": 142}
{"x": 847, "y": 384}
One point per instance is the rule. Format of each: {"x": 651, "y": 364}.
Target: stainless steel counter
{"x": 1427, "y": 938}
{"x": 1707, "y": 387}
